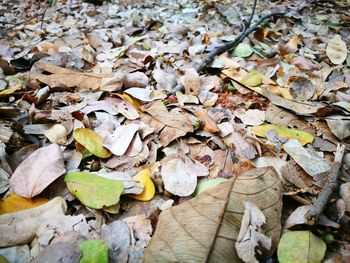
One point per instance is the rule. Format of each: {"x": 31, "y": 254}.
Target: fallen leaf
{"x": 345, "y": 194}
{"x": 118, "y": 142}
{"x": 191, "y": 82}
{"x": 209, "y": 124}
{"x": 339, "y": 126}
{"x": 18, "y": 254}
{"x": 92, "y": 190}
{"x": 301, "y": 136}
{"x": 250, "y": 117}
{"x": 206, "y": 185}
{"x": 149, "y": 190}
{"x": 92, "y": 141}
{"x": 146, "y": 95}
{"x": 62, "y": 77}
{"x": 38, "y": 171}
{"x": 311, "y": 163}
{"x": 275, "y": 162}
{"x": 13, "y": 203}
{"x": 293, "y": 173}
{"x": 165, "y": 81}
{"x": 93, "y": 251}
{"x": 117, "y": 237}
{"x": 136, "y": 79}
{"x": 242, "y": 147}
{"x": 300, "y": 246}
{"x": 243, "y": 50}
{"x": 302, "y": 89}
{"x": 336, "y": 50}
{"x": 20, "y": 227}
{"x": 252, "y": 79}
{"x": 57, "y": 134}
{"x": 177, "y": 123}
{"x": 180, "y": 175}
{"x": 250, "y": 240}
{"x": 183, "y": 98}
{"x": 206, "y": 227}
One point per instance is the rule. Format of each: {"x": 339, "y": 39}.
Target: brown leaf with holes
{"x": 205, "y": 228}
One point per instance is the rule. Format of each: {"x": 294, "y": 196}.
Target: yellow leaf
{"x": 283, "y": 132}
{"x": 14, "y": 203}
{"x": 134, "y": 102}
{"x": 92, "y": 141}
{"x": 144, "y": 177}
{"x": 5, "y": 92}
{"x": 252, "y": 79}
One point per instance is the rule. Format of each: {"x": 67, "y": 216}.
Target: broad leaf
{"x": 92, "y": 190}
{"x": 336, "y": 50}
{"x": 301, "y": 247}
{"x": 92, "y": 141}
{"x": 243, "y": 50}
{"x": 94, "y": 251}
{"x": 13, "y": 203}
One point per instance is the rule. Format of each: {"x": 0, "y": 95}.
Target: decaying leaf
{"x": 176, "y": 124}
{"x": 300, "y": 246}
{"x": 57, "y": 134}
{"x": 209, "y": 124}
{"x": 38, "y": 171}
{"x": 92, "y": 141}
{"x": 283, "y": 132}
{"x": 191, "y": 82}
{"x": 20, "y": 227}
{"x": 202, "y": 231}
{"x": 339, "y": 125}
{"x": 250, "y": 117}
{"x": 336, "y": 50}
{"x": 251, "y": 243}
{"x": 92, "y": 190}
{"x": 311, "y": 163}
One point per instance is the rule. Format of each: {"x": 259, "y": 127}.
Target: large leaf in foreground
{"x": 92, "y": 190}
{"x": 205, "y": 228}
{"x": 38, "y": 171}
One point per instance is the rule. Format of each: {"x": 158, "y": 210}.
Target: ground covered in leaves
{"x": 115, "y": 148}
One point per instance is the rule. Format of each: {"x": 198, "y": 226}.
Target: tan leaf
{"x": 191, "y": 82}
{"x": 336, "y": 50}
{"x": 136, "y": 79}
{"x": 38, "y": 171}
{"x": 339, "y": 126}
{"x": 62, "y": 77}
{"x": 209, "y": 123}
{"x": 177, "y": 124}
{"x": 57, "y": 134}
{"x": 206, "y": 227}
{"x": 20, "y": 227}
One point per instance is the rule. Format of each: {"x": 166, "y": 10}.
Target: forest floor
{"x": 175, "y": 131}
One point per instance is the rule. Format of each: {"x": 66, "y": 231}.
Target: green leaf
{"x": 206, "y": 185}
{"x": 93, "y": 251}
{"x": 301, "y": 247}
{"x": 252, "y": 79}
{"x": 243, "y": 50}
{"x": 283, "y": 132}
{"x": 92, "y": 190}
{"x": 91, "y": 141}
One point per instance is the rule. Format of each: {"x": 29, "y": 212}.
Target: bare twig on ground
{"x": 323, "y": 198}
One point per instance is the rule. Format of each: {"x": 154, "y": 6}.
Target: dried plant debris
{"x": 165, "y": 131}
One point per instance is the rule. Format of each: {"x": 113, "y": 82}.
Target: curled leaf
{"x": 149, "y": 189}
{"x": 92, "y": 141}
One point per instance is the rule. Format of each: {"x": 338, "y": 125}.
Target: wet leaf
{"x": 92, "y": 190}
{"x": 336, "y": 50}
{"x": 93, "y": 251}
{"x": 92, "y": 141}
{"x": 13, "y": 203}
{"x": 206, "y": 227}
{"x": 300, "y": 246}
{"x": 283, "y": 132}
{"x": 38, "y": 171}
{"x": 144, "y": 177}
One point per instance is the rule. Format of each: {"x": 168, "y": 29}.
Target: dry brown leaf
{"x": 206, "y": 227}
{"x": 302, "y": 89}
{"x": 136, "y": 79}
{"x": 20, "y": 227}
{"x": 336, "y": 50}
{"x": 209, "y": 124}
{"x": 62, "y": 77}
{"x": 339, "y": 126}
{"x": 192, "y": 82}
{"x": 242, "y": 147}
{"x": 292, "y": 172}
{"x": 177, "y": 124}
{"x": 277, "y": 115}
{"x": 38, "y": 171}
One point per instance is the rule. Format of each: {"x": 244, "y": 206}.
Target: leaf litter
{"x": 117, "y": 144}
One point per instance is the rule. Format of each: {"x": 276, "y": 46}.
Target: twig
{"x": 252, "y": 14}
{"x": 323, "y": 198}
{"x": 43, "y": 17}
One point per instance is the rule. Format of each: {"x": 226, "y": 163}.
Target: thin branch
{"x": 323, "y": 198}
{"x": 252, "y": 14}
